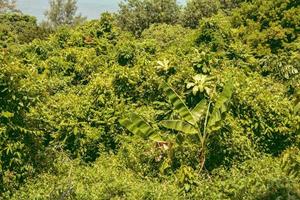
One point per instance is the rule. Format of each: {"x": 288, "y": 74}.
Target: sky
{"x": 88, "y": 8}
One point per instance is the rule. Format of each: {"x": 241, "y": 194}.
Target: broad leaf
{"x": 179, "y": 125}
{"x": 156, "y": 137}
{"x": 220, "y": 107}
{"x": 178, "y": 104}
{"x": 199, "y": 109}
{"x": 137, "y": 125}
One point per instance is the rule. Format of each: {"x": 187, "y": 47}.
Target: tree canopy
{"x": 7, "y": 5}
{"x": 63, "y": 12}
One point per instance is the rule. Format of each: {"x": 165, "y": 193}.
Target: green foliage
{"x": 126, "y": 55}
{"x": 17, "y": 28}
{"x": 213, "y": 34}
{"x": 195, "y": 10}
{"x": 256, "y": 179}
{"x": 203, "y": 61}
{"x": 231, "y": 4}
{"x": 88, "y": 113}
{"x": 291, "y": 162}
{"x": 137, "y": 15}
{"x": 106, "y": 179}
{"x": 269, "y": 109}
{"x": 22, "y": 151}
{"x": 267, "y": 26}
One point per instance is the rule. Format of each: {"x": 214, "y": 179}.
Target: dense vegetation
{"x": 156, "y": 101}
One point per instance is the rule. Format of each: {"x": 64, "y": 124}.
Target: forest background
{"x": 154, "y": 101}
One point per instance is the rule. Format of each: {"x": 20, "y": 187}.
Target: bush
{"x": 106, "y": 179}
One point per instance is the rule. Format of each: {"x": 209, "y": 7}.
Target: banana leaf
{"x": 179, "y": 125}
{"x": 137, "y": 125}
{"x": 220, "y": 107}
{"x": 178, "y": 104}
{"x": 199, "y": 109}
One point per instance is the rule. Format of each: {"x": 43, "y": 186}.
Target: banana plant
{"x": 191, "y": 122}
{"x": 138, "y": 126}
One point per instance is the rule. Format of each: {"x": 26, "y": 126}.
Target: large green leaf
{"x": 178, "y": 104}
{"x": 137, "y": 125}
{"x": 199, "y": 109}
{"x": 220, "y": 107}
{"x": 179, "y": 125}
